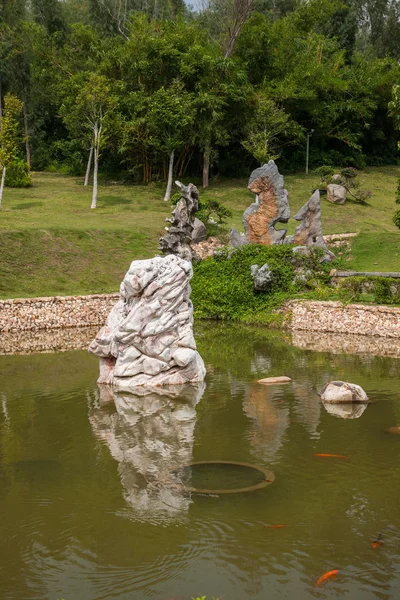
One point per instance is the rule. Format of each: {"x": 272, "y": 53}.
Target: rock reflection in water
{"x": 307, "y": 407}
{"x": 270, "y": 419}
{"x": 150, "y": 434}
{"x": 349, "y": 410}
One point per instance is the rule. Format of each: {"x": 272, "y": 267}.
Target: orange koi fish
{"x": 331, "y": 455}
{"x": 274, "y": 526}
{"x": 378, "y": 542}
{"x": 326, "y": 576}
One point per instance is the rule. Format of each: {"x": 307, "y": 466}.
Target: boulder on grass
{"x": 336, "y": 193}
{"x": 342, "y": 391}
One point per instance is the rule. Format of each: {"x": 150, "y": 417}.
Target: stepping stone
{"x": 271, "y": 380}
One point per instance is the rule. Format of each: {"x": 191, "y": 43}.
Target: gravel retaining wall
{"x": 335, "y": 317}
{"x": 62, "y": 312}
{"x": 59, "y": 312}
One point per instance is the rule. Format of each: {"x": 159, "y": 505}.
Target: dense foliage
{"x": 381, "y": 290}
{"x": 213, "y": 91}
{"x": 223, "y": 288}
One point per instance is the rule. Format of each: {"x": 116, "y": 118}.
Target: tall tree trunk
{"x": 27, "y": 144}
{"x": 206, "y": 165}
{"x": 89, "y": 166}
{"x": 95, "y": 172}
{"x": 167, "y": 196}
{"x": 3, "y": 178}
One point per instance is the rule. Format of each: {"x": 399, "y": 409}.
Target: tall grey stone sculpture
{"x": 148, "y": 337}
{"x": 309, "y": 232}
{"x": 183, "y": 222}
{"x": 270, "y": 208}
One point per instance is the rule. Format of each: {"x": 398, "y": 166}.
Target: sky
{"x": 194, "y": 3}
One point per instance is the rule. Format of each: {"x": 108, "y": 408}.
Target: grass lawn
{"x": 52, "y": 243}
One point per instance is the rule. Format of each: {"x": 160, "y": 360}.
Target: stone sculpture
{"x": 148, "y": 337}
{"x": 179, "y": 236}
{"x": 309, "y": 232}
{"x": 271, "y": 207}
{"x": 336, "y": 193}
{"x": 342, "y": 391}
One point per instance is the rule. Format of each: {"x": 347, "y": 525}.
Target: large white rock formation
{"x": 148, "y": 337}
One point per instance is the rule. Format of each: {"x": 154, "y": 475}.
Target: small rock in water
{"x": 342, "y": 391}
{"x": 270, "y": 380}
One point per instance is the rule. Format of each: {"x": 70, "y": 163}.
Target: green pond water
{"x": 92, "y": 504}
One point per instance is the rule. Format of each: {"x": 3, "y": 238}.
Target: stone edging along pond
{"x": 335, "y": 317}
{"x": 60, "y": 312}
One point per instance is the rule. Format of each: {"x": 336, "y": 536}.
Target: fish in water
{"x": 378, "y": 542}
{"x": 394, "y": 430}
{"x": 331, "y": 455}
{"x": 326, "y": 576}
{"x": 280, "y": 526}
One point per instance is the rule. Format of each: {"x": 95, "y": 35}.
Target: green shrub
{"x": 396, "y": 218}
{"x": 207, "y": 208}
{"x": 398, "y": 192}
{"x": 17, "y": 174}
{"x": 381, "y": 290}
{"x": 325, "y": 171}
{"x": 213, "y": 208}
{"x": 223, "y": 288}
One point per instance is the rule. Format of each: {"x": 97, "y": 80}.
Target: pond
{"x": 92, "y": 507}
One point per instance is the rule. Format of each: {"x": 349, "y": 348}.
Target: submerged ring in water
{"x": 268, "y": 475}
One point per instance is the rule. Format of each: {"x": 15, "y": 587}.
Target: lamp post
{"x": 309, "y": 134}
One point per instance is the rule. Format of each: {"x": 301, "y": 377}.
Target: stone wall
{"x": 36, "y": 315}
{"x": 59, "y": 312}
{"x": 334, "y": 317}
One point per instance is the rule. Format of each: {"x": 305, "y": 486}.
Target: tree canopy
{"x": 213, "y": 90}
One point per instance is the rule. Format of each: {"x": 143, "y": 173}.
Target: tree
{"x": 394, "y": 106}
{"x": 49, "y": 14}
{"x": 90, "y": 112}
{"x": 171, "y": 117}
{"x": 269, "y": 129}
{"x": 10, "y": 136}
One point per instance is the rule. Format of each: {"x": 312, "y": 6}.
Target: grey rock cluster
{"x": 148, "y": 337}
{"x": 185, "y": 229}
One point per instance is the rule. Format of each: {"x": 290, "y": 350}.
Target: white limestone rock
{"x": 148, "y": 337}
{"x": 342, "y": 391}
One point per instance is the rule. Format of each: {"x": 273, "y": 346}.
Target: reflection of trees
{"x": 150, "y": 435}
